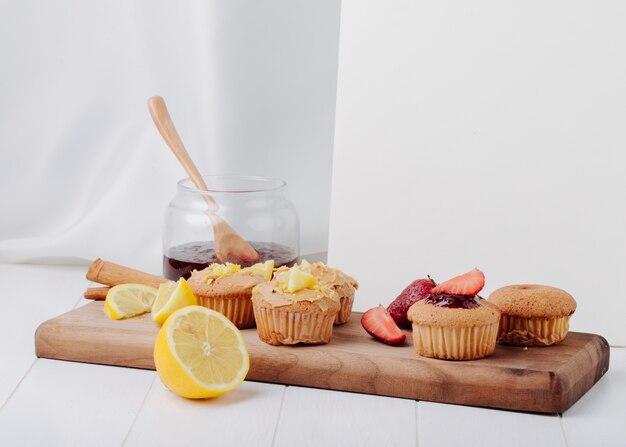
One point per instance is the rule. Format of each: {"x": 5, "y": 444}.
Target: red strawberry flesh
{"x": 379, "y": 324}
{"x": 417, "y": 290}
{"x": 469, "y": 284}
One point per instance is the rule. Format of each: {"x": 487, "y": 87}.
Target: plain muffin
{"x": 454, "y": 333}
{"x": 532, "y": 314}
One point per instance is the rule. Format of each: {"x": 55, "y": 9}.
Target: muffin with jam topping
{"x": 294, "y": 308}
{"x": 453, "y": 322}
{"x": 532, "y": 314}
{"x": 344, "y": 285}
{"x": 227, "y": 288}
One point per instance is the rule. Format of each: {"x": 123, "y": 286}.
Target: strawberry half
{"x": 469, "y": 283}
{"x": 379, "y": 324}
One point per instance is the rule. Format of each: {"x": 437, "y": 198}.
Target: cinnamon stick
{"x": 112, "y": 274}
{"x": 96, "y": 293}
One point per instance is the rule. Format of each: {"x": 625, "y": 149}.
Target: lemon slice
{"x": 299, "y": 280}
{"x": 128, "y": 300}
{"x": 264, "y": 269}
{"x": 199, "y": 353}
{"x": 171, "y": 297}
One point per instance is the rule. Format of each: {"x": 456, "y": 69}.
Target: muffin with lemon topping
{"x": 294, "y": 308}
{"x": 227, "y": 288}
{"x": 344, "y": 285}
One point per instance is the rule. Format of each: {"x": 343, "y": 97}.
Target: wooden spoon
{"x": 229, "y": 246}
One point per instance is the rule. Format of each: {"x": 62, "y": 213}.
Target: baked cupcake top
{"x": 335, "y": 278}
{"x": 427, "y": 313}
{"x": 294, "y": 286}
{"x": 224, "y": 278}
{"x": 533, "y": 301}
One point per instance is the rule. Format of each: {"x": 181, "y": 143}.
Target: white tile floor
{"x": 55, "y": 403}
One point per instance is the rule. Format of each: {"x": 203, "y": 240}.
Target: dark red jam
{"x": 181, "y": 260}
{"x": 453, "y": 301}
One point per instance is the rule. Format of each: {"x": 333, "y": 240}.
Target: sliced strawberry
{"x": 469, "y": 283}
{"x": 379, "y": 324}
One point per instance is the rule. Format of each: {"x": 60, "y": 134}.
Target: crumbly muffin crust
{"x": 533, "y": 301}
{"x": 305, "y": 301}
{"x": 203, "y": 283}
{"x": 423, "y": 313}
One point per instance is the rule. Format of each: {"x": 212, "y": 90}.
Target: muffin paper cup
{"x": 520, "y": 331}
{"x": 346, "y": 308}
{"x": 455, "y": 343}
{"x": 283, "y": 327}
{"x": 237, "y": 308}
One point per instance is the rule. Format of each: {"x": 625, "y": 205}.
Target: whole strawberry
{"x": 417, "y": 290}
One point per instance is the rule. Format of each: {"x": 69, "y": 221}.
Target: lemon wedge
{"x": 171, "y": 297}
{"x": 299, "y": 280}
{"x": 265, "y": 269}
{"x": 128, "y": 300}
{"x": 199, "y": 353}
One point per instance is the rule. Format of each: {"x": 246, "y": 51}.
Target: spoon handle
{"x": 165, "y": 125}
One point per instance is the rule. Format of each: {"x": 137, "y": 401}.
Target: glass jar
{"x": 255, "y": 207}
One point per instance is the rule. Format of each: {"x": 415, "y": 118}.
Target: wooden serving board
{"x": 546, "y": 380}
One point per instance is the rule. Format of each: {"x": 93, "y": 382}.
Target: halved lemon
{"x": 128, "y": 300}
{"x": 173, "y": 295}
{"x": 199, "y": 353}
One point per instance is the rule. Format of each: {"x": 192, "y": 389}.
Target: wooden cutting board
{"x": 546, "y": 380}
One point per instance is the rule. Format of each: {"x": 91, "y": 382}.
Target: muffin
{"x": 453, "y": 322}
{"x": 293, "y": 308}
{"x": 227, "y": 288}
{"x": 452, "y": 328}
{"x": 533, "y": 315}
{"x": 344, "y": 285}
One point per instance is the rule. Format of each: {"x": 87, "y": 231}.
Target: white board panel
{"x": 73, "y": 404}
{"x": 598, "y": 417}
{"x": 442, "y": 425}
{"x": 484, "y": 134}
{"x": 245, "y": 416}
{"x": 30, "y": 295}
{"x": 314, "y": 417}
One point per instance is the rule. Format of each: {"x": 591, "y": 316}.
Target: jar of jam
{"x": 255, "y": 207}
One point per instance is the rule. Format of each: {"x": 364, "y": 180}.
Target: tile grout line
{"x": 280, "y": 412}
{"x": 18, "y": 385}
{"x": 563, "y": 430}
{"x": 143, "y": 403}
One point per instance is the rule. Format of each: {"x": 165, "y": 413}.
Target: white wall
{"x": 487, "y": 133}
{"x": 83, "y": 172}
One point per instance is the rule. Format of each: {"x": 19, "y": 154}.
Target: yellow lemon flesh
{"x": 171, "y": 297}
{"x": 299, "y": 280}
{"x": 226, "y": 269}
{"x": 265, "y": 269}
{"x": 199, "y": 353}
{"x": 304, "y": 264}
{"x": 128, "y": 300}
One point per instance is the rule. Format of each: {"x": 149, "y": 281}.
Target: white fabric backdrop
{"x": 83, "y": 172}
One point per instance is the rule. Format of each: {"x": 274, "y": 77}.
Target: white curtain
{"x": 83, "y": 172}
